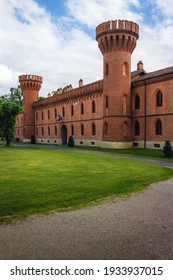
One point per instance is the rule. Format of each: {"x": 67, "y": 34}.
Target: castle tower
{"x": 116, "y": 41}
{"x": 30, "y": 84}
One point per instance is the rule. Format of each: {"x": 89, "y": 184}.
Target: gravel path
{"x": 140, "y": 227}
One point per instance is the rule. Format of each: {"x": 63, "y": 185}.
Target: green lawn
{"x": 149, "y": 153}
{"x": 37, "y": 180}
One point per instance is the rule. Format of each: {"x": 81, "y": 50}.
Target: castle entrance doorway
{"x": 64, "y": 135}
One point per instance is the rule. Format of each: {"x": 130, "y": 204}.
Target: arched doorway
{"x": 64, "y": 135}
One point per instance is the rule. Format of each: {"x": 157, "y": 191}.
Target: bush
{"x": 71, "y": 141}
{"x": 167, "y": 149}
{"x": 33, "y": 139}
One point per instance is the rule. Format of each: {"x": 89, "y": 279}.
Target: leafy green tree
{"x": 41, "y": 98}
{"x": 8, "y": 113}
{"x": 15, "y": 95}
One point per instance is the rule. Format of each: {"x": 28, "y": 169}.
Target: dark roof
{"x": 154, "y": 74}
{"x": 139, "y": 72}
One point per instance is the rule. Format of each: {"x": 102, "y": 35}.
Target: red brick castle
{"x": 123, "y": 110}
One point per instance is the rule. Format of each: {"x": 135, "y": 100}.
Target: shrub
{"x": 71, "y": 141}
{"x": 167, "y": 149}
{"x": 33, "y": 139}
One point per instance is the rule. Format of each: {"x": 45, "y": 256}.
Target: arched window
{"x": 93, "y": 129}
{"x": 93, "y": 107}
{"x": 159, "y": 99}
{"x": 124, "y": 104}
{"x": 105, "y": 128}
{"x": 56, "y": 130}
{"x": 48, "y": 114}
{"x": 158, "y": 127}
{"x": 82, "y": 108}
{"x": 137, "y": 128}
{"x": 63, "y": 112}
{"x": 106, "y": 101}
{"x": 125, "y": 69}
{"x": 72, "y": 110}
{"x": 107, "y": 69}
{"x": 137, "y": 102}
{"x": 82, "y": 129}
{"x": 125, "y": 129}
{"x": 55, "y": 113}
{"x": 48, "y": 130}
{"x": 72, "y": 129}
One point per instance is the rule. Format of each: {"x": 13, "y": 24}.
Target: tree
{"x": 15, "y": 95}
{"x": 8, "y": 113}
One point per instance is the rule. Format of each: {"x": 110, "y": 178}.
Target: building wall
{"x": 149, "y": 113}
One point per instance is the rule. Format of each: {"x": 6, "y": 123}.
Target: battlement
{"x": 31, "y": 82}
{"x": 117, "y": 35}
{"x": 117, "y": 26}
{"x": 92, "y": 88}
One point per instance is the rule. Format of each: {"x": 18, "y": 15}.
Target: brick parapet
{"x": 30, "y": 82}
{"x": 117, "y": 35}
{"x": 117, "y": 26}
{"x": 71, "y": 94}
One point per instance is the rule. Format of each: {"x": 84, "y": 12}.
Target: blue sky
{"x": 56, "y": 39}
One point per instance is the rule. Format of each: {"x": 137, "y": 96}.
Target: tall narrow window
{"x": 63, "y": 112}
{"x": 55, "y": 113}
{"x": 82, "y": 108}
{"x": 137, "y": 102}
{"x": 48, "y": 130}
{"x": 93, "y": 107}
{"x": 107, "y": 69}
{"x": 125, "y": 104}
{"x": 125, "y": 69}
{"x": 158, "y": 127}
{"x": 48, "y": 114}
{"x": 159, "y": 99}
{"x": 72, "y": 129}
{"x": 93, "y": 129}
{"x": 72, "y": 110}
{"x": 55, "y": 130}
{"x": 137, "y": 128}
{"x": 125, "y": 129}
{"x": 105, "y": 128}
{"x": 82, "y": 129}
{"x": 106, "y": 100}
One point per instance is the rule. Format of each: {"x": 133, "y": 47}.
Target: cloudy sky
{"x": 56, "y": 38}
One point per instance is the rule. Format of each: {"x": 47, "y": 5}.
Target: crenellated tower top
{"x": 30, "y": 82}
{"x": 117, "y": 35}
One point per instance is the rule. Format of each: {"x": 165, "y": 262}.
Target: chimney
{"x": 140, "y": 65}
{"x": 80, "y": 83}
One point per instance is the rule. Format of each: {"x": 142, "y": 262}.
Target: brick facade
{"x": 123, "y": 110}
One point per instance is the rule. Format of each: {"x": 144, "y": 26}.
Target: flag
{"x": 59, "y": 118}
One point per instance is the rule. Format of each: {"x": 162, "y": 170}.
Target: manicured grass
{"x": 149, "y": 153}
{"x": 37, "y": 180}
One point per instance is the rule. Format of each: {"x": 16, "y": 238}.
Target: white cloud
{"x": 164, "y": 7}
{"x": 93, "y": 12}
{"x": 62, "y": 52}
